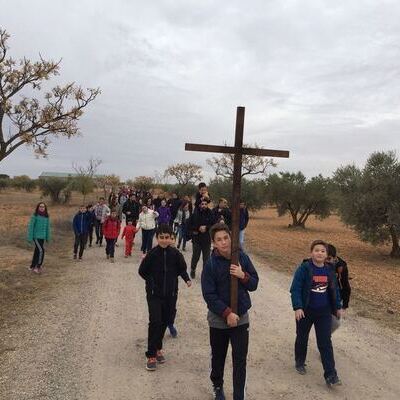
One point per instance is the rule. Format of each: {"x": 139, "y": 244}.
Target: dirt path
{"x": 87, "y": 341}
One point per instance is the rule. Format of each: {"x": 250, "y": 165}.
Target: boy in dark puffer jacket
{"x": 160, "y": 269}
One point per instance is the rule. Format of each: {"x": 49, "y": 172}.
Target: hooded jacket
{"x": 111, "y": 228}
{"x": 160, "y": 269}
{"x": 216, "y": 283}
{"x": 81, "y": 222}
{"x": 301, "y": 287}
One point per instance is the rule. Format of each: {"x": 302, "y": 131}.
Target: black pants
{"x": 161, "y": 310}
{"x": 90, "y": 234}
{"x": 200, "y": 247}
{"x": 80, "y": 242}
{"x": 173, "y": 309}
{"x": 110, "y": 247}
{"x": 219, "y": 340}
{"x": 147, "y": 240}
{"x": 99, "y": 231}
{"x": 38, "y": 254}
{"x": 322, "y": 324}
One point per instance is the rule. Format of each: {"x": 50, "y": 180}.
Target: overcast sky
{"x": 318, "y": 78}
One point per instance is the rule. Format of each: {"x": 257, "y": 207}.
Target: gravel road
{"x": 86, "y": 339}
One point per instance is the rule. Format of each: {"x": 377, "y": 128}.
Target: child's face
{"x": 222, "y": 242}
{"x": 163, "y": 203}
{"x": 129, "y": 222}
{"x": 113, "y": 215}
{"x": 82, "y": 209}
{"x": 242, "y": 205}
{"x": 164, "y": 240}
{"x": 319, "y": 253}
{"x": 203, "y": 191}
{"x": 172, "y": 241}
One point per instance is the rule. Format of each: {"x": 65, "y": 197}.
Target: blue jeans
{"x": 241, "y": 238}
{"x": 147, "y": 240}
{"x": 181, "y": 233}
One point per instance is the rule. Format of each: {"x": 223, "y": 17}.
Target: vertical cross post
{"x": 238, "y": 151}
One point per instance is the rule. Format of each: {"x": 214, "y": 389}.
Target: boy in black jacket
{"x": 342, "y": 275}
{"x": 199, "y": 224}
{"x": 160, "y": 269}
{"x": 225, "y": 325}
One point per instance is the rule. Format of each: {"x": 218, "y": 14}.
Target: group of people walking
{"x": 320, "y": 290}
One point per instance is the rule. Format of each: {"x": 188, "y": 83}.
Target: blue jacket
{"x": 216, "y": 282}
{"x": 301, "y": 287}
{"x": 81, "y": 223}
{"x": 243, "y": 218}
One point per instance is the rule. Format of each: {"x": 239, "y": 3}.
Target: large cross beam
{"x": 238, "y": 150}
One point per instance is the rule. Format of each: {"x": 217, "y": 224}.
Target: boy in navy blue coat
{"x": 225, "y": 325}
{"x": 315, "y": 298}
{"x": 81, "y": 224}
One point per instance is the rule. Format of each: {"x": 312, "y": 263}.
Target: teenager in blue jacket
{"x": 315, "y": 298}
{"x": 225, "y": 325}
{"x": 81, "y": 225}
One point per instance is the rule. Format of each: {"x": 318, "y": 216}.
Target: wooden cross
{"x": 238, "y": 150}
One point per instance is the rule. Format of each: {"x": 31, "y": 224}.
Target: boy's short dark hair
{"x": 164, "y": 229}
{"x": 201, "y": 185}
{"x": 218, "y": 228}
{"x": 331, "y": 250}
{"x": 101, "y": 198}
{"x": 318, "y": 242}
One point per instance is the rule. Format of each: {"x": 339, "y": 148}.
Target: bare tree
{"x": 108, "y": 182}
{"x": 31, "y": 121}
{"x": 90, "y": 170}
{"x": 185, "y": 173}
{"x": 251, "y": 165}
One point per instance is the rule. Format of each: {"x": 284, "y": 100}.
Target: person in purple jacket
{"x": 164, "y": 213}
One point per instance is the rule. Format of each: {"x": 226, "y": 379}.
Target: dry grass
{"x": 17, "y": 284}
{"x": 375, "y": 277}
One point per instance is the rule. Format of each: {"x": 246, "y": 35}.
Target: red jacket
{"x": 111, "y": 228}
{"x": 129, "y": 232}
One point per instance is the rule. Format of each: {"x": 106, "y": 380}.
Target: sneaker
{"x": 160, "y": 357}
{"x": 39, "y": 270}
{"x": 80, "y": 259}
{"x": 333, "y": 381}
{"x": 90, "y": 245}
{"x": 301, "y": 369}
{"x": 74, "y": 256}
{"x": 151, "y": 364}
{"x": 218, "y": 393}
{"x": 172, "y": 330}
{"x": 112, "y": 259}
{"x": 108, "y": 256}
{"x": 126, "y": 256}
{"x": 192, "y": 274}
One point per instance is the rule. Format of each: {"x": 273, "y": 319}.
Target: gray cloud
{"x": 319, "y": 78}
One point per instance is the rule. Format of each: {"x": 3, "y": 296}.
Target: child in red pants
{"x": 129, "y": 233}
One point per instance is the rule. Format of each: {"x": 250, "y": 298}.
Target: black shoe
{"x": 74, "y": 256}
{"x": 333, "y": 381}
{"x": 193, "y": 274}
{"x": 219, "y": 393}
{"x": 301, "y": 369}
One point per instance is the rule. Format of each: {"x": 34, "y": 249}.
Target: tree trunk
{"x": 296, "y": 223}
{"x": 395, "y": 253}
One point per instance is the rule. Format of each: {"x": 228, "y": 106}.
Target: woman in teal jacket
{"x": 38, "y": 232}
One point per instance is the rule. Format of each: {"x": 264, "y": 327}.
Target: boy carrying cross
{"x": 225, "y": 325}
